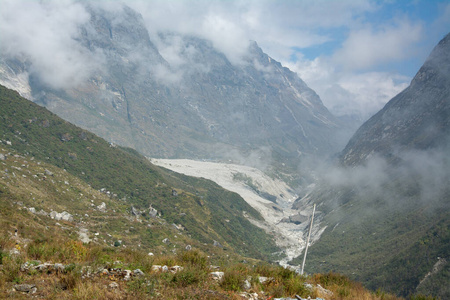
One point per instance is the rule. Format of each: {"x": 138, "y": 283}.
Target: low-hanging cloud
{"x": 358, "y": 94}
{"x": 45, "y": 34}
{"x": 418, "y": 177}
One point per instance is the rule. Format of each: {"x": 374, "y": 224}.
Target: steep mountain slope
{"x": 201, "y": 210}
{"x": 196, "y": 105}
{"x": 417, "y": 118}
{"x": 387, "y": 207}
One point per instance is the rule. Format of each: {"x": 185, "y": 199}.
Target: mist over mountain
{"x": 415, "y": 119}
{"x": 386, "y": 205}
{"x": 179, "y": 96}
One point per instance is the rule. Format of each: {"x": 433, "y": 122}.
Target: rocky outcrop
{"x": 65, "y": 216}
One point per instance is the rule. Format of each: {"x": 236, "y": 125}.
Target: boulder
{"x": 135, "y": 212}
{"x": 246, "y": 285}
{"x": 175, "y": 269}
{"x": 102, "y": 207}
{"x": 217, "y": 275}
{"x": 156, "y": 268}
{"x": 152, "y": 212}
{"x": 65, "y": 216}
{"x": 113, "y": 286}
{"x": 26, "y": 288}
{"x": 138, "y": 273}
{"x": 2, "y": 156}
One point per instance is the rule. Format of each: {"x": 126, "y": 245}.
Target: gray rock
{"x": 138, "y": 273}
{"x": 26, "y": 288}
{"x": 135, "y": 212}
{"x": 246, "y": 285}
{"x": 127, "y": 275}
{"x": 175, "y": 269}
{"x": 42, "y": 213}
{"x": 152, "y": 212}
{"x": 217, "y": 275}
{"x": 48, "y": 173}
{"x": 166, "y": 241}
{"x": 188, "y": 247}
{"x": 263, "y": 279}
{"x": 32, "y": 210}
{"x": 113, "y": 286}
{"x": 65, "y": 216}
{"x": 58, "y": 267}
{"x": 2, "y": 156}
{"x": 102, "y": 207}
{"x": 217, "y": 244}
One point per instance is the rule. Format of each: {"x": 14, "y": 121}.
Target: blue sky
{"x": 356, "y": 54}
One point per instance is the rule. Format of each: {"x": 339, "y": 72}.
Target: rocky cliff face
{"x": 194, "y": 104}
{"x": 417, "y": 118}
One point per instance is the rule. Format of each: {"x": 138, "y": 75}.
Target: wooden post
{"x": 307, "y": 240}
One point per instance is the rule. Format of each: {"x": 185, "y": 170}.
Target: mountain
{"x": 385, "y": 209}
{"x": 417, "y": 118}
{"x": 177, "y": 96}
{"x": 43, "y": 156}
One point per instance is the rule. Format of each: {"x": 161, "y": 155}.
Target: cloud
{"x": 44, "y": 33}
{"x": 349, "y": 93}
{"x": 368, "y": 47}
{"x": 420, "y": 175}
{"x": 47, "y": 34}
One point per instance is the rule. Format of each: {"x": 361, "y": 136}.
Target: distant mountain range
{"x": 198, "y": 106}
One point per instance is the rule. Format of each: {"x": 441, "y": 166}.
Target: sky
{"x": 356, "y": 54}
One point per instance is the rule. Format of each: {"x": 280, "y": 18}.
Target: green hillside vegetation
{"x": 205, "y": 212}
{"x": 388, "y": 243}
{"x": 48, "y": 166}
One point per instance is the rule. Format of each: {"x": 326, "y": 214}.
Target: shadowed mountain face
{"x": 386, "y": 206}
{"x": 186, "y": 99}
{"x": 417, "y": 118}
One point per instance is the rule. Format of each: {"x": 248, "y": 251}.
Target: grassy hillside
{"x": 206, "y": 212}
{"x": 388, "y": 240}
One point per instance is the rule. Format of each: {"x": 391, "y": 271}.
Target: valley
{"x": 252, "y": 185}
{"x": 165, "y": 159}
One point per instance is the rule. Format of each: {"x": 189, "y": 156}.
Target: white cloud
{"x": 367, "y": 47}
{"x": 44, "y": 33}
{"x": 276, "y": 26}
{"x": 349, "y": 93}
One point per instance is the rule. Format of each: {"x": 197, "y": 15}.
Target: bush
{"x": 188, "y": 276}
{"x": 232, "y": 280}
{"x": 194, "y": 258}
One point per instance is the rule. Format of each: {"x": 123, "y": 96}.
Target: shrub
{"x": 189, "y": 276}
{"x": 232, "y": 280}
{"x": 194, "y": 258}
{"x": 295, "y": 286}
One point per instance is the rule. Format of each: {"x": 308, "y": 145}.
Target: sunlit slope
{"x": 200, "y": 206}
